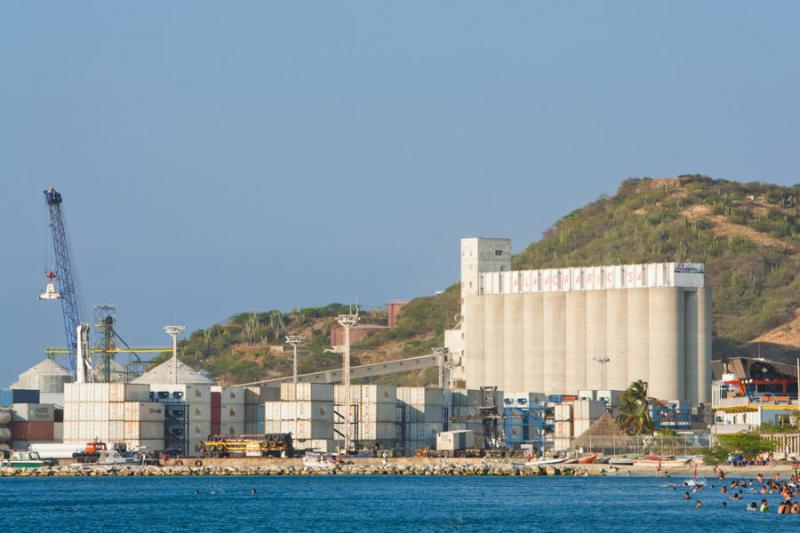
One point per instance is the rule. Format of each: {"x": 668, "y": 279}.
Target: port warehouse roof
{"x": 165, "y": 373}
{"x": 641, "y": 276}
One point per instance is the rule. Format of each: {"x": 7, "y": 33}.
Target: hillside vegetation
{"x": 748, "y": 236}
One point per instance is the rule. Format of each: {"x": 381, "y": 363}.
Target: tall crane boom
{"x": 65, "y": 275}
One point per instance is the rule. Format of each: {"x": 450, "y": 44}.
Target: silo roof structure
{"x": 173, "y": 371}
{"x": 45, "y": 376}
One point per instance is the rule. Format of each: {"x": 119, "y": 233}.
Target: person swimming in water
{"x": 764, "y": 508}
{"x": 752, "y": 507}
{"x": 686, "y": 496}
{"x": 252, "y": 491}
{"x": 698, "y": 505}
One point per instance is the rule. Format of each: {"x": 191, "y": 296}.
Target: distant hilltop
{"x": 746, "y": 234}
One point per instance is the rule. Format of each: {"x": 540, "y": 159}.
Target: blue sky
{"x": 218, "y": 157}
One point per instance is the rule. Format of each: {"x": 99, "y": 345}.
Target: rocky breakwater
{"x": 425, "y": 469}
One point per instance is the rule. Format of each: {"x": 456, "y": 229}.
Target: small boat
{"x": 319, "y": 461}
{"x": 25, "y": 459}
{"x": 546, "y": 462}
{"x": 621, "y": 460}
{"x": 587, "y": 459}
{"x": 112, "y": 457}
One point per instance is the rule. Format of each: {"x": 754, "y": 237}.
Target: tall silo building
{"x": 546, "y": 330}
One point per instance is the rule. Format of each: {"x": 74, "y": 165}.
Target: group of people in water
{"x": 788, "y": 490}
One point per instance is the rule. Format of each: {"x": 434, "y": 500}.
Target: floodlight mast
{"x": 347, "y": 321}
{"x": 295, "y": 340}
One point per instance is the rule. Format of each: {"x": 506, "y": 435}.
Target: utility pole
{"x": 347, "y": 321}
{"x": 441, "y": 360}
{"x": 174, "y": 331}
{"x": 603, "y": 360}
{"x": 295, "y": 340}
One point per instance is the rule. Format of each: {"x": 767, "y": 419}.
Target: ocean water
{"x": 372, "y": 503}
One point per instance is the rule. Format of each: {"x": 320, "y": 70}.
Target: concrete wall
{"x": 547, "y": 342}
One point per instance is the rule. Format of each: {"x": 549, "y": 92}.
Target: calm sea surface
{"x": 372, "y": 503}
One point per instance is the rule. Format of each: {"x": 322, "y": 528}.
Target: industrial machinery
{"x": 63, "y": 282}
{"x": 91, "y": 453}
{"x": 270, "y": 444}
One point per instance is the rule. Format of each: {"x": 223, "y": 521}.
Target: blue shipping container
{"x": 6, "y": 398}
{"x": 25, "y": 395}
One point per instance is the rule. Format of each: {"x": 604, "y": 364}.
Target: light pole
{"x": 174, "y": 331}
{"x": 441, "y": 359}
{"x": 295, "y": 340}
{"x": 603, "y": 360}
{"x": 347, "y": 321}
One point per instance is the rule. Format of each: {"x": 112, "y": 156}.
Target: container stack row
{"x": 188, "y": 415}
{"x": 370, "y": 419}
{"x": 114, "y": 413}
{"x": 422, "y": 416}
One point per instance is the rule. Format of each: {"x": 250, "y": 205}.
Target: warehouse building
{"x": 569, "y": 329}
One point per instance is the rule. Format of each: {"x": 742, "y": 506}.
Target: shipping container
{"x": 232, "y": 428}
{"x": 273, "y": 411}
{"x": 32, "y": 431}
{"x": 588, "y": 409}
{"x": 143, "y": 430}
{"x": 192, "y": 393}
{"x": 24, "y": 396}
{"x": 307, "y": 392}
{"x": 373, "y": 394}
{"x": 6, "y": 398}
{"x": 144, "y": 411}
{"x": 455, "y": 440}
{"x": 232, "y": 413}
{"x": 34, "y": 412}
{"x": 55, "y": 398}
{"x": 303, "y": 429}
{"x": 321, "y": 411}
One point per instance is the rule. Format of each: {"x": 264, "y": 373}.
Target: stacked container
{"x": 254, "y": 411}
{"x": 193, "y": 402}
{"x": 216, "y": 411}
{"x": 371, "y": 418}
{"x": 584, "y": 413}
{"x": 32, "y": 422}
{"x": 422, "y": 417}
{"x": 562, "y": 439}
{"x": 112, "y": 413}
{"x": 306, "y": 411}
{"x": 232, "y": 412}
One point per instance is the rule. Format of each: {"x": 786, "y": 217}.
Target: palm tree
{"x": 634, "y": 415}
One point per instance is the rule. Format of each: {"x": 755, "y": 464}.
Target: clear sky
{"x": 219, "y": 157}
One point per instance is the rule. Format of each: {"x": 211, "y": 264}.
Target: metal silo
{"x": 704, "y": 345}
{"x": 691, "y": 384}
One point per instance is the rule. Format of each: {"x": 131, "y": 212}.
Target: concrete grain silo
{"x": 541, "y": 330}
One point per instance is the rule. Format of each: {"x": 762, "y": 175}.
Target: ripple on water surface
{"x": 371, "y": 503}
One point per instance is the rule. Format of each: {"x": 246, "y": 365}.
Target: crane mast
{"x": 65, "y": 275}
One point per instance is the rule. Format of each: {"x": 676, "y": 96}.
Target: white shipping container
{"x": 144, "y": 411}
{"x": 378, "y": 412}
{"x": 191, "y": 393}
{"x": 33, "y": 412}
{"x": 455, "y": 440}
{"x": 272, "y": 426}
{"x": 303, "y": 429}
{"x": 318, "y": 411}
{"x": 579, "y": 427}
{"x": 128, "y": 392}
{"x": 587, "y": 395}
{"x": 58, "y": 431}
{"x": 147, "y": 444}
{"x": 232, "y": 428}
{"x": 562, "y": 443}
{"x": 288, "y": 410}
{"x": 199, "y": 412}
{"x": 320, "y": 445}
{"x": 232, "y": 413}
{"x": 307, "y": 392}
{"x": 272, "y": 411}
{"x": 372, "y": 394}
{"x": 199, "y": 430}
{"x": 563, "y": 412}
{"x": 116, "y": 410}
{"x": 588, "y": 409}
{"x": 144, "y": 430}
{"x": 338, "y": 394}
{"x": 230, "y": 395}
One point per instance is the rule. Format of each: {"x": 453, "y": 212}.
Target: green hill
{"x": 748, "y": 236}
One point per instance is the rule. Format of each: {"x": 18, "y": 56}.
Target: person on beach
{"x": 764, "y": 506}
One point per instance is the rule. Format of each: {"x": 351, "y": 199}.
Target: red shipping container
{"x": 32, "y": 431}
{"x": 215, "y": 427}
{"x": 216, "y": 400}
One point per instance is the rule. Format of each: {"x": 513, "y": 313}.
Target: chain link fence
{"x": 661, "y": 445}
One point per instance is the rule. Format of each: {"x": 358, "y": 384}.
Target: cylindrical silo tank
{"x": 554, "y": 342}
{"x": 46, "y": 376}
{"x": 493, "y": 364}
{"x": 691, "y": 367}
{"x": 617, "y": 339}
{"x": 638, "y": 335}
{"x": 5, "y": 434}
{"x": 513, "y": 365}
{"x": 704, "y": 345}
{"x": 576, "y": 342}
{"x": 5, "y": 417}
{"x": 474, "y": 346}
{"x": 532, "y": 342}
{"x": 666, "y": 343}
{"x": 595, "y": 336}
